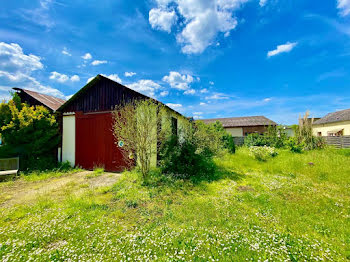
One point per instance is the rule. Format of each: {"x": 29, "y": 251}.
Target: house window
{"x": 174, "y": 126}
{"x": 336, "y": 132}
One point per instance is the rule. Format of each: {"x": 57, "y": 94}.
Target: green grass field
{"x": 294, "y": 207}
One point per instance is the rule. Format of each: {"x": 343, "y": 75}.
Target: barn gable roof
{"x": 242, "y": 121}
{"x": 115, "y": 94}
{"x": 51, "y": 102}
{"x": 343, "y": 115}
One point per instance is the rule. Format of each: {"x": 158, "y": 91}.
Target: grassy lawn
{"x": 294, "y": 207}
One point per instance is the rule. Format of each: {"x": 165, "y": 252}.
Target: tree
{"x": 137, "y": 130}
{"x": 28, "y": 132}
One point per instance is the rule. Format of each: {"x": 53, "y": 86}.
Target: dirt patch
{"x": 245, "y": 188}
{"x": 106, "y": 179}
{"x": 21, "y": 192}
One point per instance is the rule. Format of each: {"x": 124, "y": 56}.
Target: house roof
{"x": 242, "y": 121}
{"x": 343, "y": 115}
{"x": 49, "y": 101}
{"x": 94, "y": 81}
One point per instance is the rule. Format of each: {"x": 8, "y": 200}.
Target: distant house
{"x": 87, "y": 133}
{"x": 242, "y": 126}
{"x": 289, "y": 130}
{"x": 333, "y": 124}
{"x": 36, "y": 99}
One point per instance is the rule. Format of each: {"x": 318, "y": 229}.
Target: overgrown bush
{"x": 262, "y": 153}
{"x": 304, "y": 134}
{"x": 275, "y": 136}
{"x": 186, "y": 159}
{"x": 136, "y": 125}
{"x": 30, "y": 133}
{"x": 192, "y": 154}
{"x": 254, "y": 139}
{"x": 293, "y": 145}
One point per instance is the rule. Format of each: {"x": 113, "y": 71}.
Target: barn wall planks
{"x": 103, "y": 97}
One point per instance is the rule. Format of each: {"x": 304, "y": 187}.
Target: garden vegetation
{"x": 282, "y": 209}
{"x": 206, "y": 200}
{"x": 28, "y": 132}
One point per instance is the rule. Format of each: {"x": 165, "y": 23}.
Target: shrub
{"x": 213, "y": 137}
{"x": 304, "y": 134}
{"x": 293, "y": 146}
{"x": 275, "y": 136}
{"x": 225, "y": 138}
{"x": 186, "y": 159}
{"x": 192, "y": 155}
{"x": 254, "y": 140}
{"x": 30, "y": 133}
{"x": 262, "y": 153}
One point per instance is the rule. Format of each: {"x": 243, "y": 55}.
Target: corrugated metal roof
{"x": 343, "y": 115}
{"x": 50, "y": 101}
{"x": 242, "y": 121}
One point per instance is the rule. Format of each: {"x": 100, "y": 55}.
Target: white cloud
{"x": 98, "y": 62}
{"x": 174, "y": 106}
{"x": 113, "y": 77}
{"x": 211, "y": 83}
{"x": 202, "y": 21}
{"x": 69, "y": 97}
{"x": 262, "y": 3}
{"x": 129, "y": 74}
{"x": 190, "y": 92}
{"x": 146, "y": 87}
{"x": 268, "y": 99}
{"x": 75, "y": 78}
{"x": 282, "y": 49}
{"x": 344, "y": 6}
{"x": 162, "y": 19}
{"x": 59, "y": 77}
{"x": 164, "y": 93}
{"x": 62, "y": 78}
{"x": 90, "y": 79}
{"x": 178, "y": 81}
{"x": 87, "y": 56}
{"x": 197, "y": 117}
{"x": 65, "y": 52}
{"x": 204, "y": 90}
{"x": 12, "y": 58}
{"x": 202, "y": 104}
{"x": 16, "y": 69}
{"x": 40, "y": 15}
{"x": 217, "y": 96}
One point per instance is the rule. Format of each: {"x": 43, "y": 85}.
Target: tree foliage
{"x": 137, "y": 125}
{"x": 28, "y": 132}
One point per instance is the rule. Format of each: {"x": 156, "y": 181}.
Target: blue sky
{"x": 205, "y": 58}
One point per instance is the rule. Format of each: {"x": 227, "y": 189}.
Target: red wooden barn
{"x": 87, "y": 136}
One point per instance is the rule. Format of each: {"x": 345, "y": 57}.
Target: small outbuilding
{"x": 87, "y": 129}
{"x": 37, "y": 99}
{"x": 242, "y": 126}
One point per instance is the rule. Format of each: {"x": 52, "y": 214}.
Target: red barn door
{"x": 95, "y": 143}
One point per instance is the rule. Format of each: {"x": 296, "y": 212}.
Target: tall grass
{"x": 294, "y": 207}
